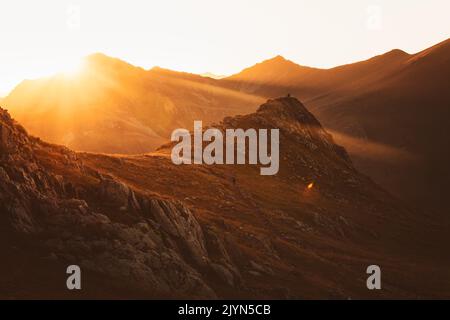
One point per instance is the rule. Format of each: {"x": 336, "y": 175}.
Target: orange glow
{"x": 71, "y": 68}
{"x": 38, "y": 37}
{"x": 310, "y": 186}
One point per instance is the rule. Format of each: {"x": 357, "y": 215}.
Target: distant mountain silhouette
{"x": 276, "y": 75}
{"x": 115, "y": 107}
{"x": 391, "y": 112}
{"x": 141, "y": 227}
{"x": 212, "y": 75}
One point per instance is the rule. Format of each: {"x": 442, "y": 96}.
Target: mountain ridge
{"x": 161, "y": 230}
{"x": 394, "y": 102}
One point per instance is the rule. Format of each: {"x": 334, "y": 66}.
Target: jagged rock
{"x": 115, "y": 192}
{"x": 4, "y": 175}
{"x": 5, "y": 144}
{"x": 21, "y": 220}
{"x": 37, "y": 202}
{"x": 225, "y": 274}
{"x": 261, "y": 268}
{"x": 178, "y": 221}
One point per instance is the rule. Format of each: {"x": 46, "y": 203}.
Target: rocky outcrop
{"x": 145, "y": 224}
{"x": 294, "y": 120}
{"x": 180, "y": 223}
{"x": 82, "y": 217}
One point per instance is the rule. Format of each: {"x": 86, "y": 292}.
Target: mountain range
{"x": 390, "y": 112}
{"x": 141, "y": 227}
{"x": 114, "y": 107}
{"x": 87, "y": 179}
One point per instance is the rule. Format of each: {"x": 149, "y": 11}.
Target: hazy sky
{"x": 41, "y": 37}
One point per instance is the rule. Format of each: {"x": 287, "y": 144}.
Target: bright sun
{"x": 71, "y": 67}
{"x": 65, "y": 66}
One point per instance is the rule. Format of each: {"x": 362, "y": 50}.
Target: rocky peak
{"x": 289, "y": 108}
{"x": 12, "y": 135}
{"x": 277, "y": 58}
{"x": 295, "y": 122}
